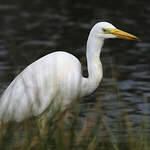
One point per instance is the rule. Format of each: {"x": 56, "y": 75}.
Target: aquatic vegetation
{"x": 70, "y": 130}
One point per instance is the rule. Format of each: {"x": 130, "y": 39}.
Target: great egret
{"x": 57, "y": 78}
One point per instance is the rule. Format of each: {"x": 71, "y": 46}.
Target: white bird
{"x": 57, "y": 78}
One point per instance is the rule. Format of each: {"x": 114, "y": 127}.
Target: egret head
{"x": 106, "y": 30}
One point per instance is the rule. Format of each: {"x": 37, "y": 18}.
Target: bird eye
{"x": 104, "y": 30}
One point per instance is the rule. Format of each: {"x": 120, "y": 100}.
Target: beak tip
{"x": 138, "y": 39}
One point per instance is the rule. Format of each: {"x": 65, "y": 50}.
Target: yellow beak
{"x": 123, "y": 35}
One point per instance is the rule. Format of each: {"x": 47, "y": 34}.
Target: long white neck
{"x": 95, "y": 72}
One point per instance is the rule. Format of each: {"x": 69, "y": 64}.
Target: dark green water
{"x": 31, "y": 29}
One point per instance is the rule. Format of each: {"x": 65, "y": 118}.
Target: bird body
{"x": 56, "y": 78}
{"x": 38, "y": 84}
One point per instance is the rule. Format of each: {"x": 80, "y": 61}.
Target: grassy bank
{"x": 67, "y": 130}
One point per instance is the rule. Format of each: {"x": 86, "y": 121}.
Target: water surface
{"x": 30, "y": 31}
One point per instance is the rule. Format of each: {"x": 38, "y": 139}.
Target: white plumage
{"x": 56, "y": 78}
